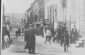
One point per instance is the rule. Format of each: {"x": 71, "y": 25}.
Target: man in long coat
{"x": 59, "y": 33}
{"x": 32, "y": 40}
{"x": 62, "y": 34}
{"x": 66, "y": 40}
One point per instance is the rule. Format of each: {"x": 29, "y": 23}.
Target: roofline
{"x": 29, "y": 9}
{"x": 34, "y": 2}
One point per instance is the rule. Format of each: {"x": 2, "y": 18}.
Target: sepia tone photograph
{"x": 42, "y": 27}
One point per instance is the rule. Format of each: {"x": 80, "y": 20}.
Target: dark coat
{"x": 66, "y": 39}
{"x": 74, "y": 35}
{"x": 59, "y": 33}
{"x": 63, "y": 32}
{"x": 5, "y": 32}
{"x": 32, "y": 38}
{"x": 27, "y": 38}
{"x": 19, "y": 31}
{"x": 52, "y": 31}
{"x": 26, "y": 35}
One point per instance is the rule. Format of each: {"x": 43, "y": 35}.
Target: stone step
{"x": 80, "y": 41}
{"x": 82, "y": 38}
{"x": 81, "y": 44}
{"x": 74, "y": 45}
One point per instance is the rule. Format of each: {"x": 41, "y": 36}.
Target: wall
{"x": 82, "y": 16}
{"x": 55, "y": 13}
{"x": 75, "y": 13}
{"x": 41, "y": 12}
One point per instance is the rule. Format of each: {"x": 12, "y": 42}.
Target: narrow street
{"x": 63, "y": 20}
{"x": 17, "y": 48}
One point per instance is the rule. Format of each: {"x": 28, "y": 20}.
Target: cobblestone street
{"x": 17, "y": 48}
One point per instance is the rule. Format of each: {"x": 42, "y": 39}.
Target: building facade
{"x": 36, "y": 14}
{"x": 75, "y": 14}
{"x": 38, "y": 11}
{"x": 54, "y": 12}
{"x": 69, "y": 11}
{"x": 29, "y": 18}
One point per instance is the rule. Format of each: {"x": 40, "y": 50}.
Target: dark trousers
{"x": 61, "y": 42}
{"x": 54, "y": 38}
{"x": 65, "y": 46}
{"x": 31, "y": 50}
{"x": 48, "y": 38}
{"x": 32, "y": 47}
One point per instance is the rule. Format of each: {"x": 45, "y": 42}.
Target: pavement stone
{"x": 17, "y": 48}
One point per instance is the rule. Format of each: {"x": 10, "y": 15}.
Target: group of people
{"x": 18, "y": 32}
{"x": 6, "y": 40}
{"x": 62, "y": 35}
{"x": 61, "y": 32}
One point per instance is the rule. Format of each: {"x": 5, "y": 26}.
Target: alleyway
{"x": 17, "y": 48}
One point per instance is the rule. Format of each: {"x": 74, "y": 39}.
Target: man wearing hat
{"x": 66, "y": 40}
{"x": 26, "y": 38}
{"x": 32, "y": 39}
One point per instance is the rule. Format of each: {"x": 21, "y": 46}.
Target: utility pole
{"x": 70, "y": 29}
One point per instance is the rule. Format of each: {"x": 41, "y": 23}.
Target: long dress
{"x": 74, "y": 34}
{"x": 32, "y": 40}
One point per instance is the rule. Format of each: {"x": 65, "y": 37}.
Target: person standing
{"x": 22, "y": 32}
{"x": 62, "y": 33}
{"x": 26, "y": 39}
{"x": 19, "y": 32}
{"x": 48, "y": 35}
{"x": 66, "y": 40}
{"x": 53, "y": 33}
{"x": 32, "y": 40}
{"x": 74, "y": 34}
{"x": 59, "y": 33}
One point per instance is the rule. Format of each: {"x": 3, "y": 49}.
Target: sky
{"x": 16, "y": 6}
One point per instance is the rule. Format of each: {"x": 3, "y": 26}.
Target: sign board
{"x": 55, "y": 25}
{"x": 47, "y": 22}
